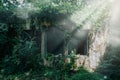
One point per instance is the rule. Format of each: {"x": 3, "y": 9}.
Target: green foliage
{"x": 1, "y": 6}
{"x": 10, "y": 28}
{"x": 3, "y": 35}
{"x": 67, "y": 6}
{"x": 54, "y": 11}
{"x": 3, "y": 27}
{"x": 100, "y": 17}
{"x": 109, "y": 65}
{"x": 22, "y": 57}
{"x": 26, "y": 65}
{"x": 85, "y": 75}
{"x": 9, "y": 4}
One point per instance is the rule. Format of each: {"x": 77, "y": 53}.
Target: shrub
{"x": 23, "y": 58}
{"x": 86, "y": 75}
{"x": 109, "y": 65}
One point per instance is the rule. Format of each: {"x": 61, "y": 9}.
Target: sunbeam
{"x": 114, "y": 26}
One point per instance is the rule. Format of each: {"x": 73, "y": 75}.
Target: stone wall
{"x": 96, "y": 49}
{"x": 97, "y": 46}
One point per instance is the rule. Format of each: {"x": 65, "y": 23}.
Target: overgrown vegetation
{"x": 26, "y": 66}
{"x": 21, "y": 57}
{"x": 109, "y": 65}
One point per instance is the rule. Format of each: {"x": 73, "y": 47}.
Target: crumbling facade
{"x": 96, "y": 48}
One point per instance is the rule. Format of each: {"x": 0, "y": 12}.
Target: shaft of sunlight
{"x": 93, "y": 10}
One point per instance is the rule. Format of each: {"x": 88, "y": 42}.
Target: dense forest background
{"x": 40, "y": 39}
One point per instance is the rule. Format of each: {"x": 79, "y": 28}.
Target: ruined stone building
{"x": 90, "y": 45}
